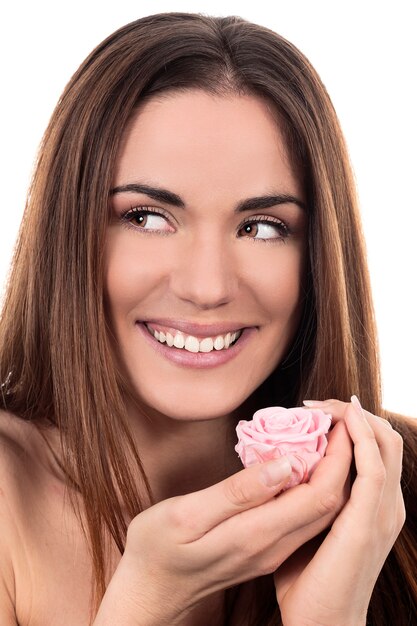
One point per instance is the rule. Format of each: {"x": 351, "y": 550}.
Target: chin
{"x": 190, "y": 407}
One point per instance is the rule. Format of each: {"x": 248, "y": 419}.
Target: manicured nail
{"x": 311, "y": 403}
{"x": 274, "y": 473}
{"x": 355, "y": 401}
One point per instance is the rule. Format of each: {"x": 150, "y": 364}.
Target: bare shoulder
{"x": 45, "y": 563}
{"x": 13, "y": 456}
{"x": 13, "y": 460}
{"x": 27, "y": 468}
{"x": 21, "y": 458}
{"x": 20, "y": 445}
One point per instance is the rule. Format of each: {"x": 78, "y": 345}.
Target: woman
{"x": 217, "y": 138}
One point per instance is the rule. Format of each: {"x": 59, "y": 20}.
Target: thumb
{"x": 244, "y": 490}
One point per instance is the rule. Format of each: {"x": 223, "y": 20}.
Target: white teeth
{"x": 219, "y": 343}
{"x": 192, "y": 344}
{"x": 179, "y": 341}
{"x": 206, "y": 345}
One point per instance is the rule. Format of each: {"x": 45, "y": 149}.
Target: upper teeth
{"x": 192, "y": 344}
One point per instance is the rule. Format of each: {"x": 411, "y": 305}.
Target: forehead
{"x": 228, "y": 140}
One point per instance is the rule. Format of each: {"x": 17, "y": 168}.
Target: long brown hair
{"x": 57, "y": 364}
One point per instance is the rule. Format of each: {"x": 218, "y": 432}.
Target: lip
{"x": 197, "y": 330}
{"x": 197, "y": 360}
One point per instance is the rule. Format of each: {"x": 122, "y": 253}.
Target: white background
{"x": 365, "y": 53}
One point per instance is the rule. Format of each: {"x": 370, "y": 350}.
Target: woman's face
{"x": 200, "y": 254}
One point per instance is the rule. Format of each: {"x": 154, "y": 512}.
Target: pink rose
{"x": 276, "y": 431}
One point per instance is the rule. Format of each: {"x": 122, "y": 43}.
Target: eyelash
{"x": 284, "y": 229}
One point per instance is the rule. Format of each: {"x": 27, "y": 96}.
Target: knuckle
{"x": 271, "y": 560}
{"x": 237, "y": 492}
{"x": 178, "y": 515}
{"x": 384, "y": 421}
{"x": 268, "y": 568}
{"x": 329, "y": 503}
{"x": 397, "y": 441}
{"x": 379, "y": 476}
{"x": 369, "y": 434}
{"x": 133, "y": 529}
{"x": 249, "y": 551}
{"x": 140, "y": 530}
{"x": 335, "y": 403}
{"x": 244, "y": 549}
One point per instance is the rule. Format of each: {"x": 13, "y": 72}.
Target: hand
{"x": 331, "y": 582}
{"x": 186, "y": 548}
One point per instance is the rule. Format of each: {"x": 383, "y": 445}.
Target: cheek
{"x": 278, "y": 285}
{"x": 131, "y": 271}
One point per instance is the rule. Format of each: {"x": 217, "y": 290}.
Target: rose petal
{"x": 277, "y": 431}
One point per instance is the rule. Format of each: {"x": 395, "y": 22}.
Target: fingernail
{"x": 311, "y": 403}
{"x": 274, "y": 473}
{"x": 355, "y": 401}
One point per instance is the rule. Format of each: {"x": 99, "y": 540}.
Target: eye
{"x": 145, "y": 218}
{"x": 265, "y": 229}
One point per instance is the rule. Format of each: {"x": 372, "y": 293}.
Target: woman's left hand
{"x": 330, "y": 582}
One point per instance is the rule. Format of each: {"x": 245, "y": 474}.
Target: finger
{"x": 196, "y": 513}
{"x": 390, "y": 446}
{"x": 379, "y": 447}
{"x": 337, "y": 409}
{"x": 311, "y": 404}
{"x": 339, "y": 447}
{"x": 368, "y": 487}
{"x": 389, "y": 440}
{"x": 381, "y": 421}
{"x": 256, "y": 541}
{"x": 297, "y": 514}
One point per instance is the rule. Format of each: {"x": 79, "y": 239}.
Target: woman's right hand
{"x": 185, "y": 548}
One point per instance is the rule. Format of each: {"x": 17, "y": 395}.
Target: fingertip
{"x": 338, "y": 436}
{"x": 311, "y": 404}
{"x": 275, "y": 472}
{"x": 357, "y": 406}
{"x": 356, "y": 420}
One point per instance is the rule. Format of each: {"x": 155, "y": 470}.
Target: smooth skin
{"x": 213, "y": 525}
{"x": 368, "y": 525}
{"x": 238, "y": 529}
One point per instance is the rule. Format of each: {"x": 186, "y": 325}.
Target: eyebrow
{"x": 168, "y": 197}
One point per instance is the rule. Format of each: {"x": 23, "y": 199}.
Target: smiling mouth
{"x": 182, "y": 341}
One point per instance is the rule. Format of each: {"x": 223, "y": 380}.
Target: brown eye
{"x": 265, "y": 229}
{"x": 146, "y": 219}
{"x": 139, "y": 218}
{"x": 250, "y": 229}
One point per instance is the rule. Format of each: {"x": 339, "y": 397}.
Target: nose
{"x": 205, "y": 272}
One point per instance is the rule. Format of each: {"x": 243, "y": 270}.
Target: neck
{"x": 180, "y": 457}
